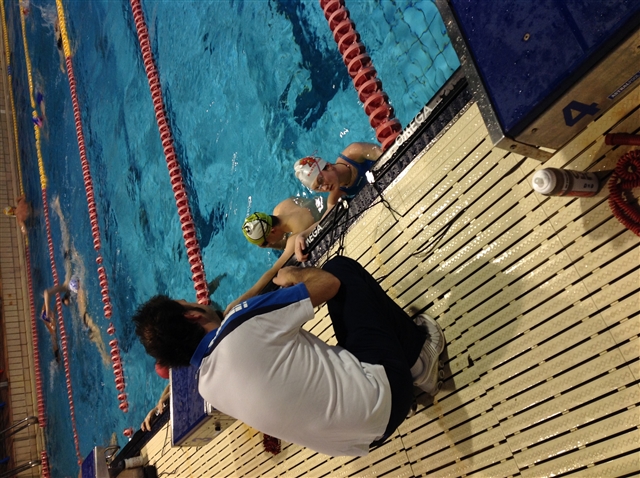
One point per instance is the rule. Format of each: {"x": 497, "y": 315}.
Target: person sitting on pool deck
{"x": 345, "y": 178}
{"x": 277, "y": 231}
{"x": 260, "y": 366}
{"x": 163, "y": 401}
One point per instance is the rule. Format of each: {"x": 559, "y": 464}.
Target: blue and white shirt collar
{"x": 203, "y": 348}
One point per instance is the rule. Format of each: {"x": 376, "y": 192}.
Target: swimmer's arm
{"x": 51, "y": 292}
{"x": 51, "y": 328}
{"x": 361, "y": 151}
{"x": 267, "y": 276}
{"x": 157, "y": 410}
{"x": 301, "y": 238}
{"x": 56, "y": 290}
{"x": 332, "y": 200}
{"x": 164, "y": 397}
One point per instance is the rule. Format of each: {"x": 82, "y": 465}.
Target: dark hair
{"x": 167, "y": 335}
{"x": 275, "y": 221}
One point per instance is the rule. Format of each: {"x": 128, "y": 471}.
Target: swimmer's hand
{"x": 301, "y": 247}
{"x": 153, "y": 413}
{"x": 44, "y": 313}
{"x": 46, "y": 303}
{"x": 146, "y": 424}
{"x": 231, "y": 306}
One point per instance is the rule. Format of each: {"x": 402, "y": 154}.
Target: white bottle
{"x": 565, "y": 182}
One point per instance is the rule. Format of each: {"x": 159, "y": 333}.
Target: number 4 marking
{"x": 582, "y": 110}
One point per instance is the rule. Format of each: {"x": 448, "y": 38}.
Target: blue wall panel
{"x": 528, "y": 53}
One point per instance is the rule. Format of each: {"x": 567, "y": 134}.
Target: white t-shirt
{"x": 261, "y": 367}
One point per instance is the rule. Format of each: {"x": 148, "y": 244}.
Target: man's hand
{"x": 320, "y": 284}
{"x": 287, "y": 276}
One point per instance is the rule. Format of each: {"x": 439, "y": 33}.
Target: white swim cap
{"x": 307, "y": 169}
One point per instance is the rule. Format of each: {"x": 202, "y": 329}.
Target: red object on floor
{"x": 626, "y": 176}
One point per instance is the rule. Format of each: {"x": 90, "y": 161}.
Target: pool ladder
{"x": 12, "y": 430}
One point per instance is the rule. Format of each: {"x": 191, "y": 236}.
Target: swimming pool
{"x": 249, "y": 87}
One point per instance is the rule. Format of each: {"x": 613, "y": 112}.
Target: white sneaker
{"x": 425, "y": 371}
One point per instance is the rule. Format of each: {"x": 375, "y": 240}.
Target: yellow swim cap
{"x": 257, "y": 227}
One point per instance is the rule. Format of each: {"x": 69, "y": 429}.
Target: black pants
{"x": 376, "y": 330}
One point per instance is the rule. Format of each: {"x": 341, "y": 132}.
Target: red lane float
{"x": 61, "y": 326}
{"x": 42, "y": 417}
{"x": 44, "y": 463}
{"x": 626, "y": 176}
{"x": 95, "y": 228}
{"x": 175, "y": 174}
{"x": 362, "y": 72}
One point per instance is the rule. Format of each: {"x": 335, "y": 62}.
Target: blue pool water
{"x": 249, "y": 86}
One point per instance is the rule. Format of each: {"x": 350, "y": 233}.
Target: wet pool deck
{"x": 539, "y": 301}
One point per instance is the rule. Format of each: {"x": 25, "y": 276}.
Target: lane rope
{"x": 175, "y": 174}
{"x": 362, "y": 72}
{"x": 116, "y": 358}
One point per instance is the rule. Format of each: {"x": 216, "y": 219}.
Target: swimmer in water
{"x": 59, "y": 45}
{"x": 344, "y": 178}
{"x": 69, "y": 291}
{"x": 25, "y": 6}
{"x": 156, "y": 411}
{"x": 278, "y": 231}
{"x": 51, "y": 327}
{"x": 22, "y": 212}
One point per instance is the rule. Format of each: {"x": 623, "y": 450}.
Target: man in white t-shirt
{"x": 261, "y": 367}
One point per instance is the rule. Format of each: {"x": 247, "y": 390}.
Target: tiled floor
{"x": 538, "y": 298}
{"x": 16, "y": 343}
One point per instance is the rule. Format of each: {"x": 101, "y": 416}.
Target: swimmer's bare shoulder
{"x": 285, "y": 207}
